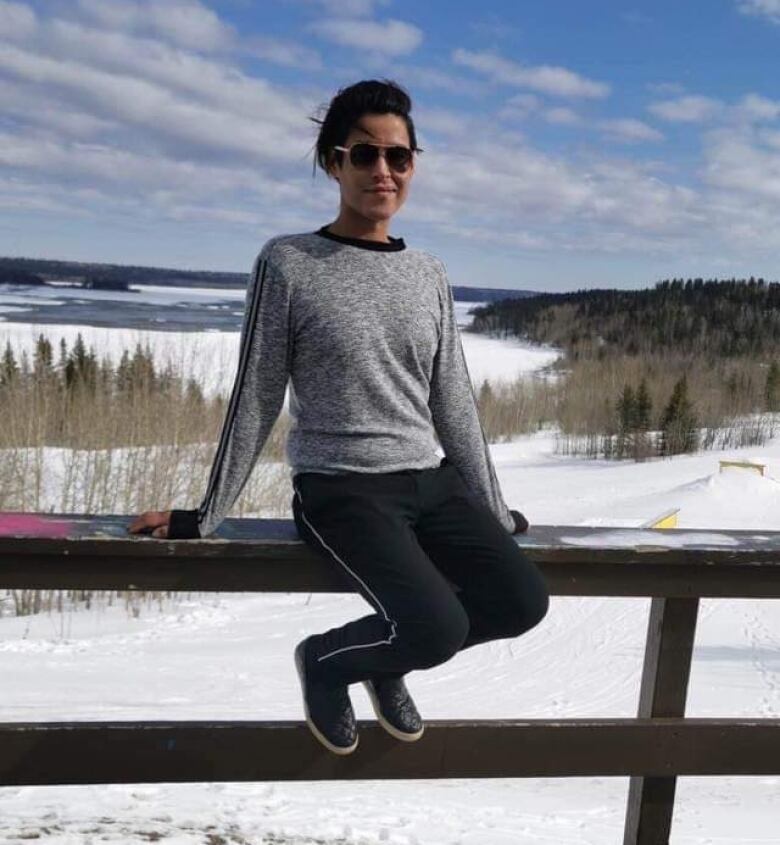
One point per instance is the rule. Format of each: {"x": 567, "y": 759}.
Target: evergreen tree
{"x": 772, "y": 388}
{"x": 644, "y": 407}
{"x": 79, "y": 354}
{"x": 193, "y": 394}
{"x": 69, "y": 372}
{"x": 142, "y": 374}
{"x": 9, "y": 369}
{"x": 105, "y": 375}
{"x": 626, "y": 416}
{"x": 678, "y": 424}
{"x": 485, "y": 397}
{"x": 123, "y": 378}
{"x": 42, "y": 359}
{"x": 62, "y": 362}
{"x": 90, "y": 374}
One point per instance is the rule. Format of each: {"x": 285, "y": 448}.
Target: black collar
{"x": 395, "y": 244}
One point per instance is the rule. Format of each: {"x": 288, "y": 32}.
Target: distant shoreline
{"x": 75, "y": 272}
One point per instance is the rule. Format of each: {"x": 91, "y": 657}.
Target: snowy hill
{"x": 230, "y": 656}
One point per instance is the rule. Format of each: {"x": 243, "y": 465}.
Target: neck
{"x": 350, "y": 225}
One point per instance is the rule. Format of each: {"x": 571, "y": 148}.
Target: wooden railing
{"x": 674, "y": 568}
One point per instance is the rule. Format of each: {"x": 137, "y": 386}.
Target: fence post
{"x": 667, "y": 667}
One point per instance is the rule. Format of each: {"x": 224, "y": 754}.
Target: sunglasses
{"x": 362, "y": 154}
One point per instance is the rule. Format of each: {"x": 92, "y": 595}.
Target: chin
{"x": 384, "y": 212}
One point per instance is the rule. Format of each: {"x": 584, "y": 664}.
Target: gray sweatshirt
{"x": 365, "y": 333}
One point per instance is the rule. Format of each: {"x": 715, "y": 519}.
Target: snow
{"x": 210, "y": 357}
{"x": 230, "y": 657}
{"x": 560, "y": 490}
{"x": 152, "y": 294}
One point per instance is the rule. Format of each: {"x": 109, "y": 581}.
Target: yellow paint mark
{"x": 668, "y": 519}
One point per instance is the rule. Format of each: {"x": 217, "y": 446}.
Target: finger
{"x": 146, "y": 521}
{"x": 161, "y": 532}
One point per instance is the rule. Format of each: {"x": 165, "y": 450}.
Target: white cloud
{"x": 752, "y": 108}
{"x": 507, "y": 185}
{"x": 628, "y": 129}
{"x": 187, "y": 23}
{"x": 771, "y": 139}
{"x": 688, "y": 109}
{"x": 132, "y": 128}
{"x": 516, "y": 238}
{"x": 740, "y": 161}
{"x": 390, "y": 37}
{"x": 190, "y": 24}
{"x": 546, "y": 79}
{"x": 769, "y": 9}
{"x": 50, "y": 114}
{"x": 519, "y": 107}
{"x": 441, "y": 121}
{"x": 203, "y": 78}
{"x": 16, "y": 20}
{"x": 757, "y": 108}
{"x": 430, "y": 78}
{"x": 227, "y": 127}
{"x": 120, "y": 14}
{"x": 741, "y": 175}
{"x": 106, "y": 175}
{"x": 280, "y": 52}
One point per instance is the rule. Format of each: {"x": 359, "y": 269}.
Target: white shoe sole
{"x": 336, "y": 749}
{"x": 391, "y": 729}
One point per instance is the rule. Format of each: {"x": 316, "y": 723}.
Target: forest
{"x": 693, "y": 316}
{"x": 685, "y": 365}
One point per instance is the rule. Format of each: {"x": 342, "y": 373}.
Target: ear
{"x": 333, "y": 167}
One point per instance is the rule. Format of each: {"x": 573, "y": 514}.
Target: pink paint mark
{"x": 32, "y": 525}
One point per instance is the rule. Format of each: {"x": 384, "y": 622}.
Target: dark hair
{"x": 371, "y": 96}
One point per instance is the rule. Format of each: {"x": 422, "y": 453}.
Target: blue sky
{"x": 567, "y": 144}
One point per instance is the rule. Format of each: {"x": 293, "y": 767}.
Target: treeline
{"x": 128, "y": 274}
{"x": 79, "y": 368}
{"x": 29, "y": 269}
{"x": 59, "y": 388}
{"x": 690, "y": 364}
{"x": 723, "y": 318}
{"x": 461, "y": 293}
{"x": 15, "y": 276}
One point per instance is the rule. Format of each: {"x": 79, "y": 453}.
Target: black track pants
{"x": 437, "y": 566}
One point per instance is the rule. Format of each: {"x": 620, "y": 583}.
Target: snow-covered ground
{"x": 211, "y": 356}
{"x": 231, "y": 657}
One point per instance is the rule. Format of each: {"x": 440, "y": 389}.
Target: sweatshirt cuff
{"x": 521, "y": 523}
{"x": 183, "y": 525}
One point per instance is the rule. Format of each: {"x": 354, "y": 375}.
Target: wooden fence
{"x": 675, "y": 568}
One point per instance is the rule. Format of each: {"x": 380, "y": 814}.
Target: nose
{"x": 381, "y": 162}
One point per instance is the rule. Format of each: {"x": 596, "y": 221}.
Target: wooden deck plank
{"x": 154, "y": 752}
{"x": 267, "y": 555}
